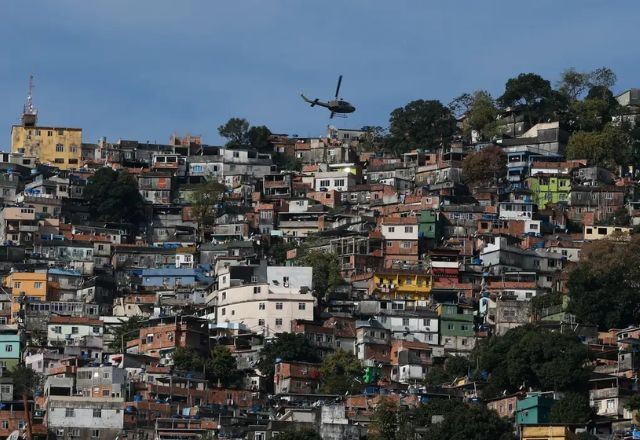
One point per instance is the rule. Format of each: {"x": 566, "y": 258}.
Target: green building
{"x": 454, "y": 322}
{"x": 428, "y": 224}
{"x": 534, "y": 410}
{"x": 9, "y": 348}
{"x": 548, "y": 189}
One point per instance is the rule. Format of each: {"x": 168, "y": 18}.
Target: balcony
{"x": 604, "y": 393}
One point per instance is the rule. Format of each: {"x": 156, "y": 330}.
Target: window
{"x": 6, "y": 389}
{"x": 57, "y": 329}
{"x": 339, "y": 182}
{"x": 602, "y": 231}
{"x": 406, "y": 244}
{"x": 302, "y": 306}
{"x": 95, "y": 433}
{"x": 223, "y": 311}
{"x": 69, "y": 412}
{"x": 257, "y": 289}
{"x": 261, "y": 306}
{"x": 37, "y": 285}
{"x": 16, "y": 285}
{"x": 75, "y": 330}
{"x": 59, "y": 148}
{"x": 392, "y": 229}
{"x": 97, "y": 413}
{"x": 8, "y": 348}
{"x": 278, "y": 322}
{"x": 533, "y": 226}
{"x": 260, "y": 321}
{"x": 96, "y": 329}
{"x": 408, "y": 229}
{"x": 405, "y": 321}
{"x": 278, "y": 306}
{"x": 149, "y": 339}
{"x": 58, "y": 160}
{"x": 5, "y": 424}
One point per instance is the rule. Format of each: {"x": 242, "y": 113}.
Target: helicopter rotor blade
{"x": 338, "y": 87}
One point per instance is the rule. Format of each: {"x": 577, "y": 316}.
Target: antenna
{"x": 29, "y": 112}
{"x": 29, "y": 109}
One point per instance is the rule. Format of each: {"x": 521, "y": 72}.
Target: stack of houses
{"x": 428, "y": 264}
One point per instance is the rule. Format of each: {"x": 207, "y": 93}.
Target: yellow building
{"x": 550, "y": 432}
{"x": 57, "y": 146}
{"x": 401, "y": 284}
{"x": 31, "y": 284}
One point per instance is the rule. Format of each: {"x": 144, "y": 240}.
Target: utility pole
{"x": 22, "y": 331}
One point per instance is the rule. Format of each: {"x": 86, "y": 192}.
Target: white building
{"x": 72, "y": 328}
{"x": 333, "y": 181}
{"x": 516, "y": 210}
{"x": 405, "y": 325}
{"x": 85, "y": 418}
{"x": 266, "y": 302}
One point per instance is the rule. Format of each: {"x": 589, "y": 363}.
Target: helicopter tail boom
{"x": 313, "y": 102}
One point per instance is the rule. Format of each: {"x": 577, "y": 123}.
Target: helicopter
{"x": 337, "y": 105}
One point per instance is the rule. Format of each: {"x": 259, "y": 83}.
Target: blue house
{"x": 169, "y": 277}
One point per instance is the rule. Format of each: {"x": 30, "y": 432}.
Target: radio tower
{"x": 29, "y": 112}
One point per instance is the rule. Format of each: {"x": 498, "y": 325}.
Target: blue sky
{"x": 145, "y": 69}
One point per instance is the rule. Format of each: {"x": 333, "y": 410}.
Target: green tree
{"x": 437, "y": 376}
{"x": 187, "y": 359}
{"x": 590, "y": 114}
{"x": 340, "y": 373}
{"x": 390, "y": 421}
{"x": 203, "y": 204}
{"x": 533, "y": 357}
{"x": 126, "y": 332}
{"x": 222, "y": 366}
{"x": 602, "y": 80}
{"x": 286, "y": 347}
{"x": 482, "y": 116}
{"x": 573, "y": 83}
{"x": 425, "y": 415}
{"x": 633, "y": 404}
{"x": 298, "y": 434}
{"x": 530, "y": 91}
{"x": 259, "y": 137}
{"x": 326, "y": 271}
{"x": 573, "y": 408}
{"x": 609, "y": 148}
{"x": 472, "y": 422}
{"x": 25, "y": 383}
{"x": 373, "y": 138}
{"x": 458, "y": 366}
{"x": 420, "y": 124}
{"x": 603, "y": 286}
{"x": 286, "y": 162}
{"x": 113, "y": 196}
{"x": 236, "y": 131}
{"x": 484, "y": 166}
